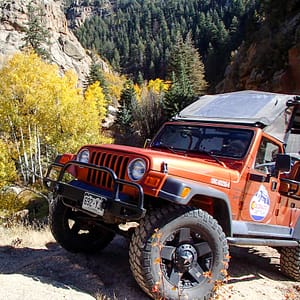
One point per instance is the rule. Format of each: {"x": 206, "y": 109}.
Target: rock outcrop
{"x": 80, "y": 10}
{"x": 270, "y": 61}
{"x": 64, "y": 48}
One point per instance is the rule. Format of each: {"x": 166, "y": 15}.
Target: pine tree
{"x": 187, "y": 76}
{"x": 195, "y": 67}
{"x": 96, "y": 74}
{"x": 36, "y": 35}
{"x": 179, "y": 95}
{"x": 140, "y": 79}
{"x": 128, "y": 103}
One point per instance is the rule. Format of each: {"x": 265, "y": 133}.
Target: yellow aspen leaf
{"x": 159, "y": 235}
{"x": 7, "y": 166}
{"x": 207, "y": 274}
{"x": 157, "y": 260}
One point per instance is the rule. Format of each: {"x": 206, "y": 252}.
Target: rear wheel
{"x": 290, "y": 262}
{"x": 72, "y": 232}
{"x": 178, "y": 252}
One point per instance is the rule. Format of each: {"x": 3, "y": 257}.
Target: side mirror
{"x": 283, "y": 163}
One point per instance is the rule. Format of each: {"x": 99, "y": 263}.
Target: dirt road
{"x": 33, "y": 265}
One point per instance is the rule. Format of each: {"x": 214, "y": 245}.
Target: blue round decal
{"x": 260, "y": 204}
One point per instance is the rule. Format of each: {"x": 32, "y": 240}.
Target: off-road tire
{"x": 73, "y": 234}
{"x": 178, "y": 252}
{"x": 290, "y": 262}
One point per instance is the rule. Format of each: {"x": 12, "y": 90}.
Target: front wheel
{"x": 73, "y": 232}
{"x": 178, "y": 253}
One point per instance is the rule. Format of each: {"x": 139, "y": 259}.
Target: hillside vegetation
{"x": 136, "y": 37}
{"x": 268, "y": 59}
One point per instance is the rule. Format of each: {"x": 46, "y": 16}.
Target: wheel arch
{"x": 217, "y": 207}
{"x": 202, "y": 196}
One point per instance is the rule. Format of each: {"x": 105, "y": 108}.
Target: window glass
{"x": 228, "y": 142}
{"x": 266, "y": 156}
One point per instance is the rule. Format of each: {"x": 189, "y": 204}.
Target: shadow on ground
{"x": 250, "y": 263}
{"x": 107, "y": 275}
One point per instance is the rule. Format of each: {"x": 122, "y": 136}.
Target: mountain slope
{"x": 137, "y": 36}
{"x": 269, "y": 59}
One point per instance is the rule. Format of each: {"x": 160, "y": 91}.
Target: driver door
{"x": 261, "y": 196}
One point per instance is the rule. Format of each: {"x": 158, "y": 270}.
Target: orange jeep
{"x": 216, "y": 175}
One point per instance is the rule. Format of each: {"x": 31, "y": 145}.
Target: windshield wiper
{"x": 202, "y": 151}
{"x": 164, "y": 146}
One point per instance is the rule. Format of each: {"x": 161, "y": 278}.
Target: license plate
{"x": 93, "y": 203}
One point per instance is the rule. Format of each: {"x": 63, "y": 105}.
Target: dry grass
{"x": 25, "y": 236}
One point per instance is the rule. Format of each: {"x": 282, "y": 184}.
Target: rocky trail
{"x": 33, "y": 266}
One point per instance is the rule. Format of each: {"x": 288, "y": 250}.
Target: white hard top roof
{"x": 268, "y": 111}
{"x": 244, "y": 107}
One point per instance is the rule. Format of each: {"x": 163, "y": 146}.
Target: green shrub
{"x": 9, "y": 203}
{"x": 13, "y": 201}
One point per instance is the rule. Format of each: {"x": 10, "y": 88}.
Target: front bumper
{"x": 108, "y": 203}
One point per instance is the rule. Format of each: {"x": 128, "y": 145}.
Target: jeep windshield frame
{"x": 202, "y": 139}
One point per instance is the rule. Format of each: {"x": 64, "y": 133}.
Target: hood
{"x": 194, "y": 167}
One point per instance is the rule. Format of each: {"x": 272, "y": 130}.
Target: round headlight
{"x": 83, "y": 156}
{"x": 136, "y": 169}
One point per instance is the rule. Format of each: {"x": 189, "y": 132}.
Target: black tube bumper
{"x": 94, "y": 200}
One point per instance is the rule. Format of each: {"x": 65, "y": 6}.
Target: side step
{"x": 262, "y": 242}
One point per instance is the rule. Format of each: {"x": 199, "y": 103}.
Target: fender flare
{"x": 173, "y": 188}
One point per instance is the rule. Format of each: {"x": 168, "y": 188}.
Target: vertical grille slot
{"x": 94, "y": 172}
{"x": 90, "y": 171}
{"x": 112, "y": 166}
{"x": 124, "y": 164}
{"x": 100, "y": 163}
{"x": 118, "y": 166}
{"x": 105, "y": 175}
{"x": 122, "y": 171}
{"x": 117, "y": 163}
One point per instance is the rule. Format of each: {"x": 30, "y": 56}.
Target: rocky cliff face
{"x": 270, "y": 61}
{"x": 64, "y": 48}
{"x": 80, "y": 10}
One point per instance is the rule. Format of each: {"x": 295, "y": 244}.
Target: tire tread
{"x": 140, "y": 247}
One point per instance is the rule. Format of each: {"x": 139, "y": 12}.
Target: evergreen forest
{"x": 136, "y": 36}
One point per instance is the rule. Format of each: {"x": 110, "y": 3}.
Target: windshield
{"x": 228, "y": 142}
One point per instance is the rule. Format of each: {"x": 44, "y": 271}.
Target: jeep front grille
{"x": 118, "y": 163}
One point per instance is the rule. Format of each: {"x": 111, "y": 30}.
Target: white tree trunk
{"x": 32, "y": 162}
{"x": 14, "y": 137}
{"x": 26, "y": 164}
{"x": 38, "y": 152}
